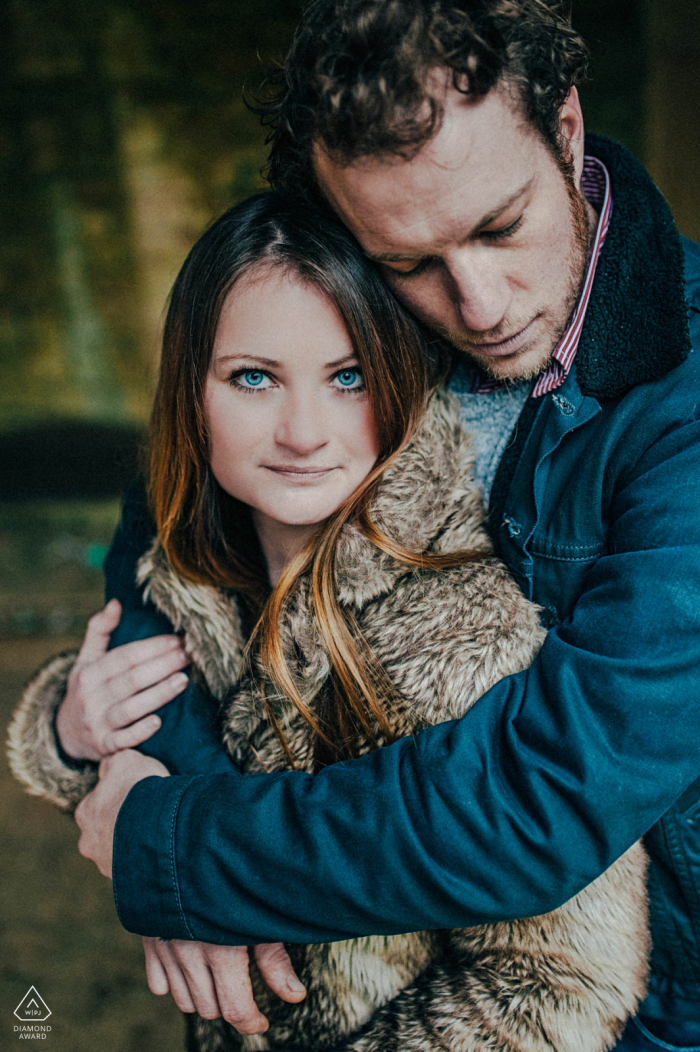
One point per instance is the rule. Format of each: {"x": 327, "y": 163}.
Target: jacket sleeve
{"x": 188, "y": 740}
{"x": 507, "y": 812}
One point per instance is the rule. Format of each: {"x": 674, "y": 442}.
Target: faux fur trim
{"x": 636, "y": 326}
{"x": 208, "y": 618}
{"x": 426, "y": 500}
{"x": 32, "y": 752}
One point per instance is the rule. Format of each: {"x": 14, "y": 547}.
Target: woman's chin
{"x": 293, "y": 518}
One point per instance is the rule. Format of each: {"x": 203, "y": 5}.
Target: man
{"x": 449, "y": 138}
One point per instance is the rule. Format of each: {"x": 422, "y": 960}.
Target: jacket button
{"x": 562, "y": 405}
{"x": 514, "y": 528}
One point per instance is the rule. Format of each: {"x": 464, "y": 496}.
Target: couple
{"x": 455, "y": 155}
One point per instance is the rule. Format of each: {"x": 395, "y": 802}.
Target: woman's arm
{"x": 188, "y": 740}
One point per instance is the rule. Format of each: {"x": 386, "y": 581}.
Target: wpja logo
{"x": 32, "y": 1010}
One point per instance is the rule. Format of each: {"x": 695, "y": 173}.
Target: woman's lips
{"x": 299, "y": 474}
{"x": 511, "y": 345}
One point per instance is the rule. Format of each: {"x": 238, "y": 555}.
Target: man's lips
{"x": 511, "y": 345}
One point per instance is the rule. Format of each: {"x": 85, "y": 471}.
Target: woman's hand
{"x": 111, "y": 694}
{"x": 96, "y": 814}
{"x": 215, "y": 980}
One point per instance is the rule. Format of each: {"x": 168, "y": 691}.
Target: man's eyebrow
{"x": 408, "y": 257}
{"x": 506, "y": 204}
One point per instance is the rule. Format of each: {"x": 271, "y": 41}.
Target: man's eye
{"x": 506, "y": 231}
{"x": 250, "y": 380}
{"x": 409, "y": 267}
{"x": 350, "y": 380}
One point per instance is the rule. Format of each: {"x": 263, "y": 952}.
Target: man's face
{"x": 479, "y": 234}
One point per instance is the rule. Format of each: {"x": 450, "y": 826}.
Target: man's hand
{"x": 215, "y": 980}
{"x": 111, "y": 694}
{"x": 96, "y": 815}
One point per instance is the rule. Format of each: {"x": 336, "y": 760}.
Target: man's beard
{"x": 467, "y": 340}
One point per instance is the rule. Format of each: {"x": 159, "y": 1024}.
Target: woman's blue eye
{"x": 350, "y": 378}
{"x": 253, "y": 378}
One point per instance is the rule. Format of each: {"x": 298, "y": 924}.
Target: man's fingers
{"x": 155, "y": 972}
{"x": 176, "y": 980}
{"x": 124, "y": 713}
{"x": 195, "y": 968}
{"x": 230, "y": 968}
{"x": 276, "y": 969}
{"x": 99, "y": 629}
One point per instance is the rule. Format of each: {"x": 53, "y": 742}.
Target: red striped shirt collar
{"x": 595, "y": 184}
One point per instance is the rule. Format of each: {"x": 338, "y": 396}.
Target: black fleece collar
{"x": 636, "y": 326}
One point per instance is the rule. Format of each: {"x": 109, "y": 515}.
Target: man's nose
{"x": 301, "y": 426}
{"x": 482, "y": 294}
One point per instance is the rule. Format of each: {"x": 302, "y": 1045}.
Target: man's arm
{"x": 188, "y": 740}
{"x": 508, "y": 812}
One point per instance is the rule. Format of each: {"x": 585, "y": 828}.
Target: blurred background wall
{"x": 122, "y": 134}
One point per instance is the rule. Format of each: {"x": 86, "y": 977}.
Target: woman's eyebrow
{"x": 247, "y": 358}
{"x": 341, "y": 361}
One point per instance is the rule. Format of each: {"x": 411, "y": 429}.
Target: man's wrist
{"x": 144, "y": 872}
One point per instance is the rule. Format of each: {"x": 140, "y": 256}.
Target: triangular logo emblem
{"x": 32, "y": 1008}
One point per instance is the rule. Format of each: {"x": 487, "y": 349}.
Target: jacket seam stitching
{"x": 678, "y": 852}
{"x": 566, "y": 558}
{"x": 173, "y": 864}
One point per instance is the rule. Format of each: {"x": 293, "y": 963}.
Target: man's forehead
{"x": 482, "y": 157}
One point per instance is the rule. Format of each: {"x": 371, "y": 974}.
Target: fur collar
{"x": 636, "y": 326}
{"x": 426, "y": 499}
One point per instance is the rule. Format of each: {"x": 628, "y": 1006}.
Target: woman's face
{"x": 290, "y": 428}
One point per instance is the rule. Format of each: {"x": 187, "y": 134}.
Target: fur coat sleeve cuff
{"x": 33, "y": 752}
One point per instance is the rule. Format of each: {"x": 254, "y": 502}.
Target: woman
{"x": 322, "y": 551}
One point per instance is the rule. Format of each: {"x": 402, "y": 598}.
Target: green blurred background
{"x": 122, "y": 134}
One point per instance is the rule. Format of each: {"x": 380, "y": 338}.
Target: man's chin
{"x": 525, "y": 365}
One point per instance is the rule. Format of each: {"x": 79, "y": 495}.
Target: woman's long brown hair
{"x": 208, "y": 536}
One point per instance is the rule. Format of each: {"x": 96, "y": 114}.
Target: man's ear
{"x": 572, "y": 131}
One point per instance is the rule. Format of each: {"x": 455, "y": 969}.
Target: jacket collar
{"x": 636, "y": 326}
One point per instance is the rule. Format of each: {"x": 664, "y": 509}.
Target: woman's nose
{"x": 482, "y": 293}
{"x": 301, "y": 427}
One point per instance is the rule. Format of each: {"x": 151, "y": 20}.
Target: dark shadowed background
{"x": 122, "y": 134}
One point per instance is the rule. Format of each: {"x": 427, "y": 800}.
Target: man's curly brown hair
{"x": 356, "y": 78}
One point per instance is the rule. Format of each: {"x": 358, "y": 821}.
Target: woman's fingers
{"x": 123, "y": 713}
{"x": 155, "y": 972}
{"x": 99, "y": 629}
{"x": 276, "y": 969}
{"x": 122, "y": 659}
{"x": 230, "y": 968}
{"x": 146, "y": 674}
{"x": 130, "y": 737}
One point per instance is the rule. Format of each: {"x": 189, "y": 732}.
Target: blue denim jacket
{"x": 557, "y": 770}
